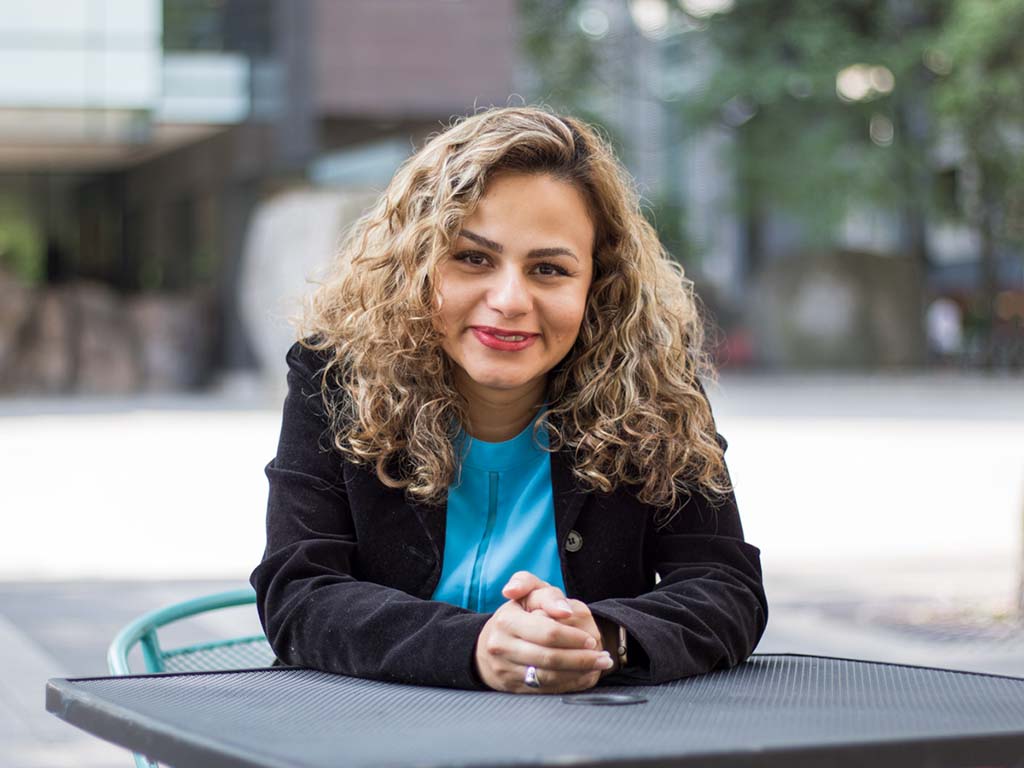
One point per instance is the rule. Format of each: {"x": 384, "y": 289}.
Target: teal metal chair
{"x": 248, "y": 652}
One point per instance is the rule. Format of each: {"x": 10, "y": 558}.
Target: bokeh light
{"x": 881, "y": 130}
{"x": 593, "y": 21}
{"x": 862, "y": 82}
{"x": 704, "y": 8}
{"x": 650, "y": 16}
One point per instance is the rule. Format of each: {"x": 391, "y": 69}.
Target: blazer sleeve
{"x": 315, "y": 612}
{"x": 708, "y": 611}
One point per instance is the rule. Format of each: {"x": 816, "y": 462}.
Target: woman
{"x": 495, "y": 437}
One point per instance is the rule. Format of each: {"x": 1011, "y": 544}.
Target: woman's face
{"x": 522, "y": 265}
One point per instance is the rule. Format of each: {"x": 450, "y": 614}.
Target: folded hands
{"x": 538, "y": 626}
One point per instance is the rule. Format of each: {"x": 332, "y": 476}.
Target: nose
{"x": 510, "y": 295}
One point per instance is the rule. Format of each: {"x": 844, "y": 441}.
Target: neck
{"x": 499, "y": 415}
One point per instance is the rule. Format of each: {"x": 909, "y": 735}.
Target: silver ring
{"x": 531, "y": 677}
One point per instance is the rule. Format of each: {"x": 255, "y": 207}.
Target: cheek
{"x": 567, "y": 317}
{"x": 445, "y": 298}
{"x": 451, "y": 303}
{"x": 439, "y": 302}
{"x": 438, "y": 321}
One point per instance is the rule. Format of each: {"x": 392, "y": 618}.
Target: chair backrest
{"x": 235, "y": 653}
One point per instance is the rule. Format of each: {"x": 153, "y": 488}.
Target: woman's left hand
{"x": 533, "y": 592}
{"x": 536, "y": 594}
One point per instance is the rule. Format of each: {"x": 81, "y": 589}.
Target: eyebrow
{"x": 536, "y": 253}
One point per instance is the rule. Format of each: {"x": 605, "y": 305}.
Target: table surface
{"x": 773, "y": 710}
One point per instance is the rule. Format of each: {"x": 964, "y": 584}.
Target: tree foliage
{"x": 981, "y": 103}
{"x": 827, "y": 103}
{"x": 922, "y": 72}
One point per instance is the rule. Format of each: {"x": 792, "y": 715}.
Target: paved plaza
{"x": 888, "y": 509}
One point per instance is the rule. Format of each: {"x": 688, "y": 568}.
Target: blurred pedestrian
{"x": 945, "y": 329}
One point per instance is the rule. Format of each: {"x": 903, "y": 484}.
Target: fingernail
{"x": 514, "y": 584}
{"x": 591, "y": 643}
{"x": 605, "y": 662}
{"x": 564, "y": 605}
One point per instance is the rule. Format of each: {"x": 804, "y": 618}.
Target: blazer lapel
{"x": 568, "y": 496}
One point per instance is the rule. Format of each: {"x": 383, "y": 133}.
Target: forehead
{"x": 517, "y": 206}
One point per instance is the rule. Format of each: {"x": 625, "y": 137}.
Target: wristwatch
{"x": 614, "y": 636}
{"x": 621, "y": 648}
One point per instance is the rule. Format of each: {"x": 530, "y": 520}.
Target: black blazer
{"x": 350, "y": 566}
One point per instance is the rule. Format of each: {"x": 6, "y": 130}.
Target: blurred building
{"x": 136, "y": 136}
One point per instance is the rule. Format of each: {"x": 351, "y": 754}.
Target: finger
{"x": 584, "y": 619}
{"x": 581, "y": 620}
{"x": 521, "y": 584}
{"x": 576, "y": 661}
{"x": 551, "y": 681}
{"x": 540, "y": 629}
{"x": 549, "y": 599}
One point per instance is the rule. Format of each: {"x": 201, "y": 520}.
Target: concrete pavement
{"x": 826, "y": 469}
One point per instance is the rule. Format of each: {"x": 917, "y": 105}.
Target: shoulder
{"x": 304, "y": 360}
{"x": 306, "y": 380}
{"x": 307, "y": 364}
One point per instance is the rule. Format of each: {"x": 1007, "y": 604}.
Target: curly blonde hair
{"x": 626, "y": 398}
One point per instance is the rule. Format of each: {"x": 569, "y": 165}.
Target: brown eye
{"x": 557, "y": 269}
{"x": 468, "y": 256}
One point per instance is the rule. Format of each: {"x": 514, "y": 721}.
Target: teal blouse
{"x": 500, "y": 520}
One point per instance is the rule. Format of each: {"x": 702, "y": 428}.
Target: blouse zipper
{"x": 475, "y": 597}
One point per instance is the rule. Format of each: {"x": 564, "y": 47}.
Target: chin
{"x": 499, "y": 382}
{"x": 485, "y": 376}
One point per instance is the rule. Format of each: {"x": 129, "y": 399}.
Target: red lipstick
{"x": 489, "y": 337}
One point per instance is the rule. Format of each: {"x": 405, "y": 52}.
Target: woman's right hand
{"x": 567, "y": 658}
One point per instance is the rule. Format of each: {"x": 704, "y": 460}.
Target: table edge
{"x": 134, "y": 732}
{"x": 127, "y": 729}
{"x": 718, "y": 671}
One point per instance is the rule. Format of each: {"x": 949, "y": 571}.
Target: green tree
{"x": 844, "y": 103}
{"x": 563, "y": 61}
{"x": 585, "y": 75}
{"x": 980, "y": 103}
{"x": 824, "y": 99}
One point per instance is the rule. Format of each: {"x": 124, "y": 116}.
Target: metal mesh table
{"x": 773, "y": 710}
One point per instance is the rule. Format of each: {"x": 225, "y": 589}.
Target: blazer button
{"x": 573, "y": 542}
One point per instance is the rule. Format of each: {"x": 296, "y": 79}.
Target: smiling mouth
{"x": 512, "y": 342}
{"x": 508, "y": 338}
{"x": 504, "y": 335}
